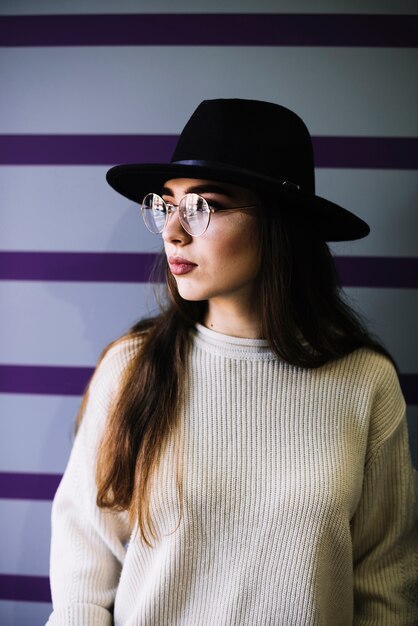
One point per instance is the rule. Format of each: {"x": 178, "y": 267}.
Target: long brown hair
{"x": 303, "y": 316}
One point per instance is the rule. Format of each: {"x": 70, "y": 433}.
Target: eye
{"x": 214, "y": 204}
{"x": 200, "y": 204}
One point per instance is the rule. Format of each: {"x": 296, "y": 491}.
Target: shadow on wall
{"x": 101, "y": 312}
{"x": 107, "y": 310}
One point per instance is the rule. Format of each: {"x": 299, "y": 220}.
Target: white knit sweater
{"x": 300, "y": 501}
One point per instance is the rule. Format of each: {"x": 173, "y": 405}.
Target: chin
{"x": 194, "y": 293}
{"x": 192, "y": 296}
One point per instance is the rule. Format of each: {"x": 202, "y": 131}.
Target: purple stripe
{"x": 49, "y": 380}
{"x": 24, "y": 588}
{"x": 400, "y": 272}
{"x": 338, "y": 152}
{"x": 389, "y": 272}
{"x": 19, "y": 486}
{"x": 409, "y": 385}
{"x": 85, "y": 149}
{"x": 44, "y": 379}
{"x": 201, "y": 29}
{"x": 117, "y": 267}
{"x": 395, "y": 153}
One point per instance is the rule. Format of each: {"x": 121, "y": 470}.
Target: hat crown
{"x": 254, "y": 144}
{"x": 261, "y": 137}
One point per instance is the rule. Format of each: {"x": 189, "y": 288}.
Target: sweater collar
{"x": 228, "y": 345}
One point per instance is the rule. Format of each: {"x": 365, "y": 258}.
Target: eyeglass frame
{"x": 172, "y": 208}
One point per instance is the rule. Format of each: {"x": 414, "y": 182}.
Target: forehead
{"x": 203, "y": 185}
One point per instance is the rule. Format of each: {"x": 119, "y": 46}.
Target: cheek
{"x": 234, "y": 248}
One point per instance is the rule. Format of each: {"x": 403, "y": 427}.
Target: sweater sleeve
{"x": 385, "y": 525}
{"x": 88, "y": 543}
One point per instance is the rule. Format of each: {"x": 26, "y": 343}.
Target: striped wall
{"x": 85, "y": 85}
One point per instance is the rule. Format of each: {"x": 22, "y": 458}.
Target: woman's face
{"x": 224, "y": 261}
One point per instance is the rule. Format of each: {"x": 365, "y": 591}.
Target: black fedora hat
{"x": 259, "y": 145}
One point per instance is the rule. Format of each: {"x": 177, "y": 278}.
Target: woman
{"x": 241, "y": 459}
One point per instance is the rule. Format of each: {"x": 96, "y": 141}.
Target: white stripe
{"x": 36, "y": 432}
{"x": 24, "y": 613}
{"x": 68, "y": 323}
{"x": 69, "y": 209}
{"x": 391, "y": 314}
{"x": 48, "y": 423}
{"x": 154, "y": 90}
{"x": 28, "y": 7}
{"x": 25, "y": 530}
{"x": 73, "y": 209}
{"x": 385, "y": 200}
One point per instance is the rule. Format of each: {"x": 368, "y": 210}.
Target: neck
{"x": 231, "y": 319}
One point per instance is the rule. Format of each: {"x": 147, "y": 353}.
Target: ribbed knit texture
{"x": 300, "y": 501}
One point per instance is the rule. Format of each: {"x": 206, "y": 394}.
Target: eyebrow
{"x": 166, "y": 191}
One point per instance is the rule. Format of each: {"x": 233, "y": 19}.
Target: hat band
{"x": 226, "y": 166}
{"x": 215, "y": 164}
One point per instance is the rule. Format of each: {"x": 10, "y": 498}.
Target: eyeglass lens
{"x": 193, "y": 210}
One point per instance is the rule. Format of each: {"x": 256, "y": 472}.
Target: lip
{"x": 179, "y": 265}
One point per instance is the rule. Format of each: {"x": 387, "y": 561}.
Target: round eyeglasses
{"x": 194, "y": 213}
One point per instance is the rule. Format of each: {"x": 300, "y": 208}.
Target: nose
{"x": 173, "y": 231}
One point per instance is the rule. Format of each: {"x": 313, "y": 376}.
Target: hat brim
{"x": 331, "y": 221}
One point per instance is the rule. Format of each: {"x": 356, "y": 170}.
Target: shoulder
{"x": 378, "y": 383}
{"x": 117, "y": 355}
{"x": 114, "y": 362}
{"x": 366, "y": 368}
{"x": 375, "y": 370}
{"x": 107, "y": 379}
